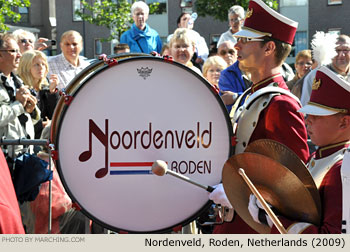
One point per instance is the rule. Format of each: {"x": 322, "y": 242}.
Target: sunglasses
{"x": 10, "y": 50}
{"x": 245, "y": 40}
{"x": 224, "y": 52}
{"x": 25, "y": 41}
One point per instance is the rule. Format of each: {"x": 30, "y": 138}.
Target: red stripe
{"x": 130, "y": 164}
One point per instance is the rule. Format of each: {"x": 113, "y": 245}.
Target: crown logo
{"x": 249, "y": 13}
{"x": 144, "y": 72}
{"x": 316, "y": 84}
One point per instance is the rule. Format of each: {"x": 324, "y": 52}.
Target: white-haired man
{"x": 236, "y": 18}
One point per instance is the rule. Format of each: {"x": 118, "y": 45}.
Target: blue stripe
{"x": 131, "y": 172}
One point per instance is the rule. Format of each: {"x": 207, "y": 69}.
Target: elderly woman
{"x": 212, "y": 69}
{"x": 236, "y": 19}
{"x": 185, "y": 20}
{"x": 182, "y": 47}
{"x": 303, "y": 63}
{"x": 141, "y": 38}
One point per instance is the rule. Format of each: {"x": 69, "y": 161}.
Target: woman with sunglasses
{"x": 27, "y": 41}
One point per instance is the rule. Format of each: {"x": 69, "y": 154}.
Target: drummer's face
{"x": 326, "y": 130}
{"x": 250, "y": 54}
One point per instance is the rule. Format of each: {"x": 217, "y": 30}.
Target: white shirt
{"x": 227, "y": 36}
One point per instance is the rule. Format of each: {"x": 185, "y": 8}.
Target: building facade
{"x": 329, "y": 16}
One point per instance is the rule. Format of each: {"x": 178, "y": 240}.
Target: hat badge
{"x": 249, "y": 13}
{"x": 316, "y": 84}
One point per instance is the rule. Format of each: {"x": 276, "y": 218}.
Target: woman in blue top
{"x": 141, "y": 38}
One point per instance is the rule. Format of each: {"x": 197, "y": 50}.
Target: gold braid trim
{"x": 264, "y": 81}
{"x": 332, "y": 146}
{"x": 344, "y": 111}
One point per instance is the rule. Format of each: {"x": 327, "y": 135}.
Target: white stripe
{"x": 298, "y": 228}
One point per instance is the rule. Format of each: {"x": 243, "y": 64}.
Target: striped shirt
{"x": 65, "y": 70}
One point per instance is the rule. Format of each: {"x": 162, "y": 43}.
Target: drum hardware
{"x": 53, "y": 152}
{"x": 218, "y": 212}
{"x": 168, "y": 58}
{"x": 67, "y": 98}
{"x": 108, "y": 61}
{"x": 279, "y": 186}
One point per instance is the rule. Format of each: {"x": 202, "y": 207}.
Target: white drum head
{"x": 122, "y": 119}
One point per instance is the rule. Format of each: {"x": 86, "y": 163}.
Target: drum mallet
{"x": 160, "y": 168}
{"x": 268, "y": 210}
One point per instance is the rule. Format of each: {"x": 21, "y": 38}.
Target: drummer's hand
{"x": 257, "y": 211}
{"x": 218, "y": 196}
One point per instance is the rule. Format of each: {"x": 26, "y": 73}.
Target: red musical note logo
{"x": 103, "y": 138}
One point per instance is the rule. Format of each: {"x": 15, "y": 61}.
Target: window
{"x": 98, "y": 47}
{"x": 23, "y": 11}
{"x": 24, "y": 14}
{"x": 76, "y": 6}
{"x": 284, "y": 3}
{"x": 300, "y": 43}
{"x": 334, "y": 31}
{"x": 161, "y": 7}
{"x": 334, "y": 2}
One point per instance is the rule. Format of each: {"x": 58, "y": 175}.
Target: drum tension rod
{"x": 109, "y": 61}
{"x": 168, "y": 58}
{"x": 67, "y": 98}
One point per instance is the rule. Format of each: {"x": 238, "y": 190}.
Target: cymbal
{"x": 285, "y": 156}
{"x": 278, "y": 186}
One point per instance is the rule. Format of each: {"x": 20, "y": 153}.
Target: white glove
{"x": 218, "y": 196}
{"x": 257, "y": 211}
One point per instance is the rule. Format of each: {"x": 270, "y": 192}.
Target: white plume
{"x": 323, "y": 47}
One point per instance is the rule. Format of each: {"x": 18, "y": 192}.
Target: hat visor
{"x": 315, "y": 110}
{"x": 248, "y": 33}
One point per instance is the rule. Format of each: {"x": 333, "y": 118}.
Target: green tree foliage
{"x": 6, "y": 12}
{"x": 218, "y": 8}
{"x": 115, "y": 15}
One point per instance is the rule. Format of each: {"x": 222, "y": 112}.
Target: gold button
{"x": 312, "y": 163}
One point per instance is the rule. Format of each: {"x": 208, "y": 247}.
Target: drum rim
{"x": 60, "y": 112}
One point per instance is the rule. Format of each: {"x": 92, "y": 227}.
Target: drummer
{"x": 328, "y": 124}
{"x": 263, "y": 44}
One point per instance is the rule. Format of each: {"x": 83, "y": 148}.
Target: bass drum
{"x": 116, "y": 119}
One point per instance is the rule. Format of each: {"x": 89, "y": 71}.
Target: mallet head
{"x": 159, "y": 167}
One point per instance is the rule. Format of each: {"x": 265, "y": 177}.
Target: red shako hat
{"x": 261, "y": 20}
{"x": 330, "y": 94}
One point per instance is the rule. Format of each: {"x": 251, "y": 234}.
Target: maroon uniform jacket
{"x": 279, "y": 121}
{"x": 325, "y": 169}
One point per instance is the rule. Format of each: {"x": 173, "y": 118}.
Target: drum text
{"x": 190, "y": 167}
